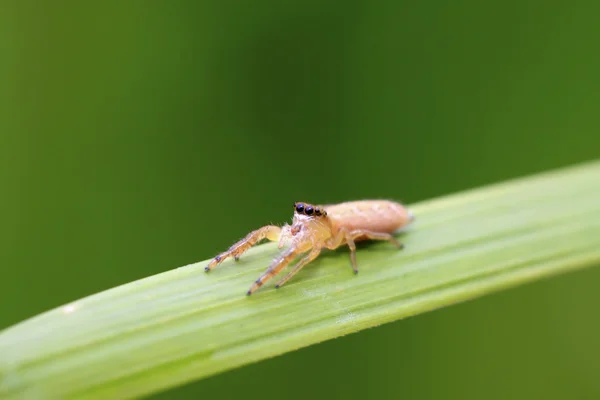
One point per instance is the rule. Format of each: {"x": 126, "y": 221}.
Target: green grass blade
{"x": 183, "y": 325}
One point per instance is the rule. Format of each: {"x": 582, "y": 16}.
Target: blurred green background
{"x": 136, "y": 137}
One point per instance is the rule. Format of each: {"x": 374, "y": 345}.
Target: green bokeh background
{"x": 136, "y": 137}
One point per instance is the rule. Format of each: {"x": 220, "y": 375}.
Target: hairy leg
{"x": 276, "y": 266}
{"x": 336, "y": 241}
{"x": 284, "y": 236}
{"x": 343, "y": 236}
{"x": 352, "y": 248}
{"x": 311, "y": 256}
{"x": 363, "y": 233}
{"x": 270, "y": 232}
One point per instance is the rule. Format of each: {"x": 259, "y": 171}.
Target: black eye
{"x": 308, "y": 210}
{"x": 317, "y": 211}
{"x": 300, "y": 207}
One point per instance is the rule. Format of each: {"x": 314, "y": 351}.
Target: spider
{"x": 317, "y": 227}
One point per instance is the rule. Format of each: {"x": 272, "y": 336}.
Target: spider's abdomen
{"x": 373, "y": 215}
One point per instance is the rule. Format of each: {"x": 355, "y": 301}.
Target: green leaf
{"x": 184, "y": 324}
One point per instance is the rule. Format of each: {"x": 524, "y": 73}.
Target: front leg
{"x": 276, "y": 266}
{"x": 314, "y": 253}
{"x": 284, "y": 236}
{"x": 270, "y": 232}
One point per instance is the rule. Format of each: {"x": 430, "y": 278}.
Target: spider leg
{"x": 352, "y": 247}
{"x": 284, "y": 235}
{"x": 276, "y": 266}
{"x": 270, "y": 232}
{"x": 311, "y": 256}
{"x": 336, "y": 241}
{"x": 341, "y": 237}
{"x": 366, "y": 234}
{"x": 359, "y": 234}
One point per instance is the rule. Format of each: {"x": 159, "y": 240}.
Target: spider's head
{"x": 310, "y": 223}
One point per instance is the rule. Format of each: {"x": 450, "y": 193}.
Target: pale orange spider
{"x": 317, "y": 227}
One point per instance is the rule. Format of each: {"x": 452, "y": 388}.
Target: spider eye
{"x": 317, "y": 211}
{"x": 308, "y": 210}
{"x": 300, "y": 207}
